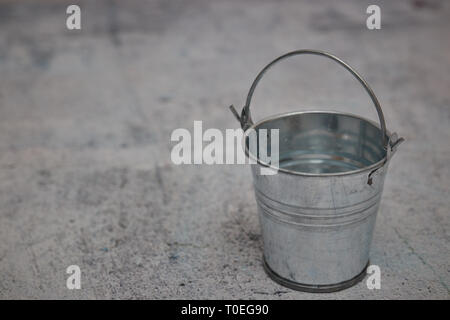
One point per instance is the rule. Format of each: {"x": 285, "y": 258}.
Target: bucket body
{"x": 318, "y": 212}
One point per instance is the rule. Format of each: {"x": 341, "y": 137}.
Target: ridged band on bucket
{"x": 318, "y": 212}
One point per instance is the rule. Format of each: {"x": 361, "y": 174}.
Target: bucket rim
{"x": 372, "y": 167}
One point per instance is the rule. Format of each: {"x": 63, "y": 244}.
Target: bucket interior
{"x": 323, "y": 142}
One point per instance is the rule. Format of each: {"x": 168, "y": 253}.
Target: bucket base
{"x": 321, "y": 288}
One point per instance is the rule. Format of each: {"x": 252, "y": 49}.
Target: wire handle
{"x": 246, "y": 120}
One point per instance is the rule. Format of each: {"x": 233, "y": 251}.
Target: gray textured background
{"x": 85, "y": 123}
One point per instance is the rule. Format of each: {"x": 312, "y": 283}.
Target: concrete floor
{"x": 85, "y": 124}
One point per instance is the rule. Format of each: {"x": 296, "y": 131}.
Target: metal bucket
{"x": 318, "y": 212}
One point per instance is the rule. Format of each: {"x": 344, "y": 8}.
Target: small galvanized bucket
{"x": 318, "y": 212}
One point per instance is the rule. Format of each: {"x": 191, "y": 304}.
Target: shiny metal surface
{"x": 318, "y": 212}
{"x": 317, "y": 226}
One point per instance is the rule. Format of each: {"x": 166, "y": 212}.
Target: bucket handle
{"x": 246, "y": 121}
